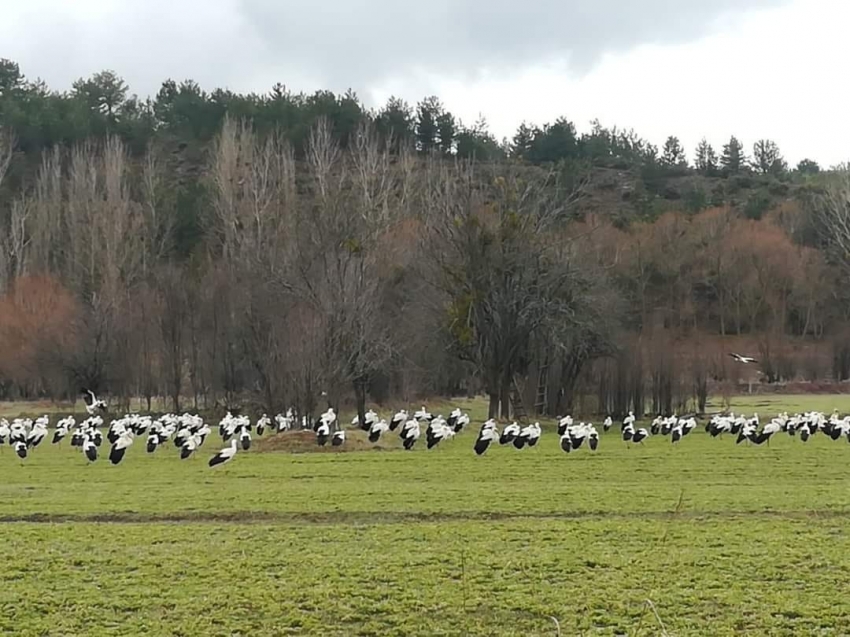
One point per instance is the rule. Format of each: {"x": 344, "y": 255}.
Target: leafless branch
{"x": 7, "y": 151}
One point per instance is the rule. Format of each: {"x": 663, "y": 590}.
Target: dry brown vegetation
{"x": 305, "y": 442}
{"x": 364, "y": 270}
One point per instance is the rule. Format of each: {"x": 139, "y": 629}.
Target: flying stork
{"x": 743, "y": 359}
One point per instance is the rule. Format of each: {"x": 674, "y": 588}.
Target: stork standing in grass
{"x": 263, "y": 422}
{"x": 410, "y": 433}
{"x": 90, "y": 449}
{"x": 486, "y": 435}
{"x": 628, "y": 421}
{"x": 328, "y": 419}
{"x": 509, "y": 433}
{"x": 119, "y": 447}
{"x": 376, "y": 428}
{"x": 397, "y": 420}
{"x": 323, "y": 431}
{"x": 225, "y": 455}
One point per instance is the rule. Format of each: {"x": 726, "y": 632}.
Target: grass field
{"x": 724, "y": 540}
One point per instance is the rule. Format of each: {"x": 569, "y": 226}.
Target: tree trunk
{"x": 175, "y": 381}
{"x": 808, "y": 321}
{"x": 570, "y": 372}
{"x": 738, "y": 315}
{"x": 175, "y": 397}
{"x": 269, "y": 399}
{"x": 309, "y": 403}
{"x": 360, "y": 396}
{"x": 493, "y": 409}
{"x": 505, "y": 399}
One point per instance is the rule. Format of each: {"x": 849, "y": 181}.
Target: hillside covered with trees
{"x": 224, "y": 248}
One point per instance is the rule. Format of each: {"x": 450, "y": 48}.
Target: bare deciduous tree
{"x": 104, "y": 256}
{"x": 157, "y": 211}
{"x": 357, "y": 197}
{"x": 255, "y": 197}
{"x": 7, "y": 149}
{"x": 832, "y": 215}
{"x": 47, "y": 218}
{"x": 173, "y": 318}
{"x": 496, "y": 240}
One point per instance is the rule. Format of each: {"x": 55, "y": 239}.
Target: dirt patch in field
{"x": 305, "y": 442}
{"x": 395, "y": 517}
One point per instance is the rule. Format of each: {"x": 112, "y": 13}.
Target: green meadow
{"x": 703, "y": 538}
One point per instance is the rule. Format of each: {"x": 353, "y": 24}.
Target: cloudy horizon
{"x": 755, "y": 68}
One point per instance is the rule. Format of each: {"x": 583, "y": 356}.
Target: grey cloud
{"x": 360, "y": 42}
{"x": 249, "y": 44}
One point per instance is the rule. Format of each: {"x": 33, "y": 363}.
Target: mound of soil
{"x": 304, "y": 441}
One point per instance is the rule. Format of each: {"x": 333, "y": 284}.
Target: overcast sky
{"x": 693, "y": 68}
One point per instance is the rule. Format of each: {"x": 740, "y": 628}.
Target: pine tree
{"x": 597, "y": 143}
{"x": 706, "y": 159}
{"x": 427, "y": 113}
{"x": 395, "y": 122}
{"x": 446, "y": 132}
{"x": 673, "y": 153}
{"x": 103, "y": 92}
{"x": 733, "y": 160}
{"x": 808, "y": 167}
{"x": 521, "y": 142}
{"x": 477, "y": 142}
{"x": 556, "y": 141}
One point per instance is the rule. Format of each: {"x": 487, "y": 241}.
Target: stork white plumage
{"x": 486, "y": 435}
{"x": 437, "y": 431}
{"x": 119, "y": 447}
{"x": 263, "y": 422}
{"x": 225, "y": 455}
{"x": 322, "y": 432}
{"x": 153, "y": 442}
{"x": 399, "y": 418}
{"x": 284, "y": 423}
{"x": 328, "y": 419}
{"x": 768, "y": 431}
{"x": 5, "y": 431}
{"x": 746, "y": 360}
{"x": 93, "y": 403}
{"x": 245, "y": 439}
{"x": 369, "y": 419}
{"x": 747, "y": 431}
{"x": 640, "y": 435}
{"x": 189, "y": 446}
{"x": 509, "y": 433}
{"x": 62, "y": 429}
{"x": 461, "y": 422}
{"x": 410, "y": 433}
{"x": 528, "y": 436}
{"x": 90, "y": 450}
{"x": 376, "y": 428}
{"x": 577, "y": 434}
{"x": 37, "y": 433}
{"x": 423, "y": 414}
